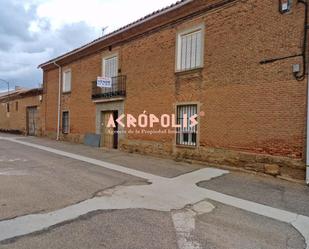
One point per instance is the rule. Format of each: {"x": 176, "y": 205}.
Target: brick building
{"x": 20, "y": 111}
{"x": 239, "y": 63}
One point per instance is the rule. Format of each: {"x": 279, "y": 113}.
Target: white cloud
{"x": 98, "y": 13}
{"x": 43, "y": 29}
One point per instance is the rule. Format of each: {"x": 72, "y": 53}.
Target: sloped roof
{"x": 5, "y": 93}
{"x": 14, "y": 94}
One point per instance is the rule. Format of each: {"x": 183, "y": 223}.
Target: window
{"x": 190, "y": 49}
{"x": 285, "y": 6}
{"x": 110, "y": 66}
{"x": 7, "y": 107}
{"x": 66, "y": 86}
{"x": 65, "y": 122}
{"x": 16, "y": 106}
{"x": 186, "y": 135}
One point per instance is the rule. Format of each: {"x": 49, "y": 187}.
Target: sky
{"x": 35, "y": 31}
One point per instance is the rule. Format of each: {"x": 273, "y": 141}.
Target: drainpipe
{"x": 59, "y": 100}
{"x": 307, "y": 157}
{"x": 302, "y": 77}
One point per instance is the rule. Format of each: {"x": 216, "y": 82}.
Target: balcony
{"x": 118, "y": 89}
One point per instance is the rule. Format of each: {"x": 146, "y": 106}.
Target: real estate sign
{"x": 104, "y": 82}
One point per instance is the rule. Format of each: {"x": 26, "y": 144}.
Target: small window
{"x": 65, "y": 122}
{"x": 285, "y": 6}
{"x": 186, "y": 135}
{"x": 190, "y": 50}
{"x": 16, "y": 106}
{"x": 7, "y": 107}
{"x": 66, "y": 86}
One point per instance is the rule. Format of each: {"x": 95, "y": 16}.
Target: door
{"x": 32, "y": 116}
{"x": 109, "y": 136}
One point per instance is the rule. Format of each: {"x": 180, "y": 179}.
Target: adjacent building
{"x": 20, "y": 111}
{"x": 239, "y": 65}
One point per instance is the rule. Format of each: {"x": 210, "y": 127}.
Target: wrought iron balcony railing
{"x": 117, "y": 89}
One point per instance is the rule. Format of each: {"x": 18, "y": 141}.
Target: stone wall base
{"x": 146, "y": 147}
{"x": 276, "y": 166}
{"x": 72, "y": 138}
{"x": 282, "y": 167}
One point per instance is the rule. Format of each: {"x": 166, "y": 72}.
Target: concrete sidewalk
{"x": 264, "y": 190}
{"x": 150, "y": 164}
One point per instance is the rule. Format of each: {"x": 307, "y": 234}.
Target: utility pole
{"x": 8, "y": 85}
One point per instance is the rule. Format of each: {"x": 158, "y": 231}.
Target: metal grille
{"x": 118, "y": 89}
{"x": 186, "y": 135}
{"x": 65, "y": 122}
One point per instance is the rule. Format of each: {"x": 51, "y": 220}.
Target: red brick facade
{"x": 255, "y": 114}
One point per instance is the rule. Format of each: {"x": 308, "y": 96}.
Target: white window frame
{"x": 187, "y": 130}
{"x": 109, "y": 57}
{"x": 64, "y": 90}
{"x": 201, "y": 28}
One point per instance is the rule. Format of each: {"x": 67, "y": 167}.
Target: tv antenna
{"x": 103, "y": 30}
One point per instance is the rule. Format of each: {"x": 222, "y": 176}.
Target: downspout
{"x": 307, "y": 147}
{"x": 304, "y": 54}
{"x": 59, "y": 99}
{"x": 302, "y": 77}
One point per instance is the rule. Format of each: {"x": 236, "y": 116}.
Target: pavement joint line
{"x": 107, "y": 165}
{"x": 164, "y": 194}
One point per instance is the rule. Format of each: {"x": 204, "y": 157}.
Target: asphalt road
{"x": 33, "y": 181}
{"x": 36, "y": 181}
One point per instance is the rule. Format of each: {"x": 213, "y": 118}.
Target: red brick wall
{"x": 50, "y": 102}
{"x": 248, "y": 107}
{"x": 78, "y": 102}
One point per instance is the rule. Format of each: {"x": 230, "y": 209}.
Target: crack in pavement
{"x": 164, "y": 194}
{"x": 184, "y": 223}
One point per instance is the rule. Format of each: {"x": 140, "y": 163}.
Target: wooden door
{"x": 107, "y": 133}
{"x": 32, "y": 122}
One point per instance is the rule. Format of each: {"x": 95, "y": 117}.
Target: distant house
{"x": 20, "y": 111}
{"x": 239, "y": 65}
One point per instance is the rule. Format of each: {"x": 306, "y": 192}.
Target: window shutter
{"x": 199, "y": 49}
{"x": 183, "y": 51}
{"x": 193, "y": 62}
{"x": 190, "y": 51}
{"x": 66, "y": 81}
{"x": 111, "y": 67}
